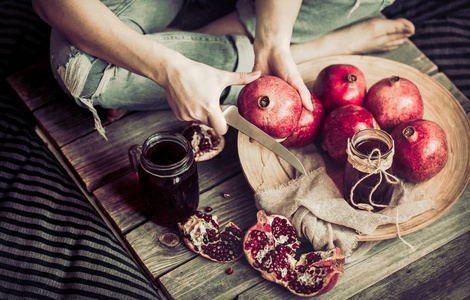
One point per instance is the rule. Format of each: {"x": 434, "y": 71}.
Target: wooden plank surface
{"x": 441, "y": 274}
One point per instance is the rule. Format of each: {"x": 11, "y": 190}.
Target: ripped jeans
{"x": 91, "y": 81}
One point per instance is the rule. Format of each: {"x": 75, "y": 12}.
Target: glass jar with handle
{"x": 168, "y": 177}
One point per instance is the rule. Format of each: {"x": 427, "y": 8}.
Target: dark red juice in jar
{"x": 366, "y": 147}
{"x": 169, "y": 181}
{"x": 363, "y": 159}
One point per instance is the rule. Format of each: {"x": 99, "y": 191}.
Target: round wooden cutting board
{"x": 440, "y": 106}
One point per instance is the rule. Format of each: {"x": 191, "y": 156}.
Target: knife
{"x": 234, "y": 119}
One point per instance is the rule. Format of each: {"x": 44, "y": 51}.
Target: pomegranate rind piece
{"x": 205, "y": 142}
{"x": 331, "y": 264}
{"x": 273, "y": 255}
{"x": 201, "y": 235}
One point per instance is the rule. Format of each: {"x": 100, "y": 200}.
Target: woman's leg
{"x": 127, "y": 90}
{"x": 86, "y": 77}
{"x": 93, "y": 81}
{"x": 325, "y": 29}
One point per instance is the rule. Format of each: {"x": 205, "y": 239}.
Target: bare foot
{"x": 368, "y": 36}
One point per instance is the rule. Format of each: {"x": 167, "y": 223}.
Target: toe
{"x": 403, "y": 26}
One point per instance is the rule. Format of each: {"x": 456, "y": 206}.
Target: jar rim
{"x": 175, "y": 168}
{"x": 372, "y": 134}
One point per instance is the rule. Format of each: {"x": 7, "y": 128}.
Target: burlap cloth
{"x": 315, "y": 205}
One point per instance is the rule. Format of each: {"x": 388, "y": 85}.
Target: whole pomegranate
{"x": 420, "y": 150}
{"x": 393, "y": 101}
{"x": 340, "y": 84}
{"x": 270, "y": 246}
{"x": 340, "y": 125}
{"x": 201, "y": 234}
{"x": 309, "y": 126}
{"x": 271, "y": 104}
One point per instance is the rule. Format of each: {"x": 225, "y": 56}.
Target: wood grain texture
{"x": 200, "y": 279}
{"x": 121, "y": 200}
{"x": 68, "y": 117}
{"x": 440, "y": 106}
{"x": 442, "y": 274}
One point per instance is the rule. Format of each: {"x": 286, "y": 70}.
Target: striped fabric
{"x": 442, "y": 34}
{"x": 53, "y": 244}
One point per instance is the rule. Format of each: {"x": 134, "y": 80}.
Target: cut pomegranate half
{"x": 201, "y": 234}
{"x": 270, "y": 247}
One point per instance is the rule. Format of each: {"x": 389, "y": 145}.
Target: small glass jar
{"x": 367, "y": 185}
{"x": 168, "y": 177}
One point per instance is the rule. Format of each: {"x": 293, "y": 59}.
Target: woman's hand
{"x": 274, "y": 24}
{"x": 278, "y": 61}
{"x": 193, "y": 91}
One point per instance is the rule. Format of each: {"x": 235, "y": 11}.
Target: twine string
{"x": 412, "y": 248}
{"x": 374, "y": 166}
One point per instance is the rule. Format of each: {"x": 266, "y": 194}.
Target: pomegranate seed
{"x": 229, "y": 271}
{"x": 226, "y": 196}
{"x": 208, "y": 209}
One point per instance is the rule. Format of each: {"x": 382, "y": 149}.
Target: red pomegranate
{"x": 271, "y": 104}
{"x": 340, "y": 84}
{"x": 201, "y": 234}
{"x": 393, "y": 101}
{"x": 309, "y": 126}
{"x": 420, "y": 150}
{"x": 270, "y": 246}
{"x": 340, "y": 125}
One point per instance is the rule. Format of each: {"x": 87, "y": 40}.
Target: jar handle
{"x": 134, "y": 153}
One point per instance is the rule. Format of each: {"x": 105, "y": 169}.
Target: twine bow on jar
{"x": 374, "y": 163}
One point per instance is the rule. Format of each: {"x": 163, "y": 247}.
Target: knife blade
{"x": 234, "y": 119}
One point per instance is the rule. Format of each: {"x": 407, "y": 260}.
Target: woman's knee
{"x": 145, "y": 16}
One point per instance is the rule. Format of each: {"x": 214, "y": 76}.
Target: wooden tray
{"x": 440, "y": 106}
